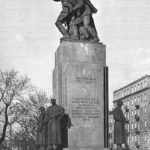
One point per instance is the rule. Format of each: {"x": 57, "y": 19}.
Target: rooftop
{"x": 146, "y": 76}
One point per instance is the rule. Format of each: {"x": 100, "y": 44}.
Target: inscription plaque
{"x": 85, "y": 108}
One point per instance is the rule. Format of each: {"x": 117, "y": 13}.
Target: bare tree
{"x": 13, "y": 88}
{"x": 29, "y": 118}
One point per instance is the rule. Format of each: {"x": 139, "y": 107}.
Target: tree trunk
{"x": 2, "y": 138}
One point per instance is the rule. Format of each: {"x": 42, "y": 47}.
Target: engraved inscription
{"x": 86, "y": 75}
{"x": 85, "y": 79}
{"x": 85, "y": 109}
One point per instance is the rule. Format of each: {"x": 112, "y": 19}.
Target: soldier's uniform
{"x": 86, "y": 12}
{"x": 66, "y": 9}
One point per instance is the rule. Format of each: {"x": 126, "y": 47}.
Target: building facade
{"x": 136, "y": 107}
{"x": 111, "y": 129}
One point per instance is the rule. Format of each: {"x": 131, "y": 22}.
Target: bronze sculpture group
{"x": 53, "y": 128}
{"x": 75, "y": 21}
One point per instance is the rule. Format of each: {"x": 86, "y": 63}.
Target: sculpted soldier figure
{"x": 54, "y": 114}
{"x": 63, "y": 17}
{"x": 85, "y": 9}
{"x": 119, "y": 127}
{"x": 42, "y": 133}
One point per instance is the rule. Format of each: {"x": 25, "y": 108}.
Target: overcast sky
{"x": 29, "y": 39}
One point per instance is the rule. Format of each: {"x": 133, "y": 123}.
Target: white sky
{"x": 29, "y": 38}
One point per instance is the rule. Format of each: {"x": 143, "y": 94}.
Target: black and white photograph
{"x": 74, "y": 75}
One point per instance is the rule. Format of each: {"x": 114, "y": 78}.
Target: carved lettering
{"x": 85, "y": 108}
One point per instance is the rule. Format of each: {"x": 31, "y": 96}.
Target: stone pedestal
{"x": 80, "y": 86}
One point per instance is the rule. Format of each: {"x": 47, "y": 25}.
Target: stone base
{"x": 79, "y": 87}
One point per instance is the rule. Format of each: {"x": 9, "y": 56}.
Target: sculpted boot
{"x": 93, "y": 33}
{"x": 63, "y": 31}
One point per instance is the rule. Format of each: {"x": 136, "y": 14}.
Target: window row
{"x": 130, "y": 90}
{"x": 139, "y": 138}
{"x": 135, "y": 100}
{"x": 136, "y": 126}
{"x": 138, "y": 112}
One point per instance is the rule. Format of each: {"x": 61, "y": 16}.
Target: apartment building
{"x": 111, "y": 129}
{"x": 136, "y": 107}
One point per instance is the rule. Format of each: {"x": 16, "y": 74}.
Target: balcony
{"x": 126, "y": 109}
{"x": 137, "y": 131}
{"x": 137, "y": 106}
{"x": 127, "y": 120}
{"x": 137, "y": 118}
{"x": 137, "y": 145}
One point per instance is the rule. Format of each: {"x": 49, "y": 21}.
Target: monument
{"x": 80, "y": 76}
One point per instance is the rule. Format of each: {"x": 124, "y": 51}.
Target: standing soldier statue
{"x": 119, "y": 126}
{"x": 42, "y": 130}
{"x": 54, "y": 115}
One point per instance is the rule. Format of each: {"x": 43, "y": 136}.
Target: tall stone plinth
{"x": 79, "y": 85}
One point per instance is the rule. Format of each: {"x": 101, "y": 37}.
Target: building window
{"x": 124, "y": 92}
{"x": 132, "y": 113}
{"x": 145, "y": 123}
{"x": 141, "y": 98}
{"x": 141, "y": 84}
{"x": 138, "y": 100}
{"x": 145, "y": 137}
{"x": 135, "y": 138}
{"x": 138, "y": 87}
{"x": 128, "y": 140}
{"x": 128, "y": 115}
{"x": 128, "y": 103}
{"x": 135, "y": 100}
{"x": 125, "y": 115}
{"x": 135, "y": 112}
{"x": 138, "y": 125}
{"x": 135, "y": 125}
{"x": 145, "y": 97}
{"x": 132, "y": 126}
{"x": 141, "y": 125}
{"x": 132, "y": 90}
{"x": 145, "y": 109}
{"x": 128, "y": 127}
{"x": 138, "y": 112}
{"x": 132, "y": 138}
{"x": 141, "y": 111}
{"x": 127, "y": 91}
{"x": 124, "y": 103}
{"x": 145, "y": 84}
{"x": 132, "y": 101}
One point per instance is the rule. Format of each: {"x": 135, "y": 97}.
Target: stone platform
{"x": 80, "y": 86}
